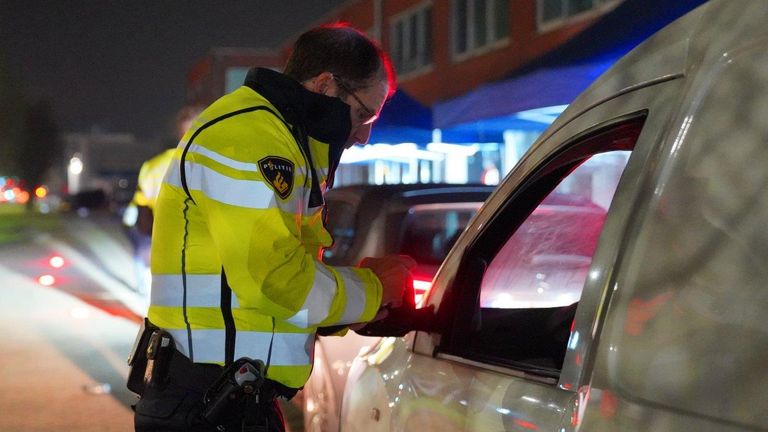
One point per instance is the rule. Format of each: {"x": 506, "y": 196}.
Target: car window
{"x": 520, "y": 281}
{"x": 545, "y": 262}
{"x": 430, "y": 230}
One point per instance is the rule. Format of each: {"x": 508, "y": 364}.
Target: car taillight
{"x": 46, "y": 280}
{"x": 421, "y": 288}
{"x": 56, "y": 261}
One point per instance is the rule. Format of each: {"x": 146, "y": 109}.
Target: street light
{"x": 75, "y": 165}
{"x": 74, "y": 170}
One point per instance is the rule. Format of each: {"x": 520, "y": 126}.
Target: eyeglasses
{"x": 371, "y": 114}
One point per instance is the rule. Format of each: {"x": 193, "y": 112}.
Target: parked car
{"x": 637, "y": 301}
{"x": 420, "y": 220}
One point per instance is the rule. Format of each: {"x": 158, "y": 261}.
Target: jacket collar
{"x": 324, "y": 118}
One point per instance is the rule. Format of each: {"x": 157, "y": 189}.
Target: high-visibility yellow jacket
{"x": 242, "y": 200}
{"x": 150, "y": 177}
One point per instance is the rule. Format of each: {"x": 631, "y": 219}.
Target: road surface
{"x": 63, "y": 346}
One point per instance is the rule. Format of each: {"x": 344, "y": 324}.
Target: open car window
{"x": 521, "y": 280}
{"x": 545, "y": 262}
{"x": 530, "y": 290}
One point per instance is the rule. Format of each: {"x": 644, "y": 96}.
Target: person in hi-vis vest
{"x": 138, "y": 216}
{"x": 238, "y": 288}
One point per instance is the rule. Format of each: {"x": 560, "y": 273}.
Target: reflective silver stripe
{"x": 318, "y": 302}
{"x": 203, "y": 290}
{"x": 288, "y": 349}
{"x": 232, "y": 163}
{"x": 322, "y": 171}
{"x": 172, "y": 174}
{"x": 355, "y": 290}
{"x": 242, "y": 166}
{"x": 228, "y": 190}
{"x": 217, "y": 186}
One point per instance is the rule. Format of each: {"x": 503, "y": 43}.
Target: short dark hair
{"x": 345, "y": 52}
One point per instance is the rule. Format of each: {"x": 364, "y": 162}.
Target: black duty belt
{"x": 199, "y": 377}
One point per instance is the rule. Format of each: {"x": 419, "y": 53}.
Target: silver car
{"x": 419, "y": 220}
{"x": 616, "y": 280}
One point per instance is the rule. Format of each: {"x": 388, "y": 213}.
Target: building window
{"x": 554, "y": 11}
{"x": 411, "y": 46}
{"x": 478, "y": 24}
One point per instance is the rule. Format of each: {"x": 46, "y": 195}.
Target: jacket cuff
{"x": 373, "y": 293}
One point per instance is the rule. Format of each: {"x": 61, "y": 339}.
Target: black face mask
{"x": 324, "y": 118}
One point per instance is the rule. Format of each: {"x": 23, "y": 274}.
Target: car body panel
{"x": 446, "y": 396}
{"x": 516, "y": 401}
{"x": 668, "y": 332}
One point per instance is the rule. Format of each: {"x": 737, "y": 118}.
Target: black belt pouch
{"x": 137, "y": 360}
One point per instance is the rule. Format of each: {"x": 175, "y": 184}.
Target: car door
{"x": 521, "y": 294}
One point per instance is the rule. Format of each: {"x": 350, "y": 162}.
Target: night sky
{"x": 120, "y": 66}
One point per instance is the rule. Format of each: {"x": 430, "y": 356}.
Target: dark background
{"x": 120, "y": 66}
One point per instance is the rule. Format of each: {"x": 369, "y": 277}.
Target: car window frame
{"x": 456, "y": 323}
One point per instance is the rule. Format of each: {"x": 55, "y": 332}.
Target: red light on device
{"x": 421, "y": 288}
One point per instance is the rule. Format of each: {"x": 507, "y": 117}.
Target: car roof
{"x": 412, "y": 194}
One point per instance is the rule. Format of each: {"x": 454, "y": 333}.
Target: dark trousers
{"x": 177, "y": 404}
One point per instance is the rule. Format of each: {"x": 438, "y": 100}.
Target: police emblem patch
{"x": 278, "y": 172}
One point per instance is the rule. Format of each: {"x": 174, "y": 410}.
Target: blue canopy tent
{"x": 555, "y": 78}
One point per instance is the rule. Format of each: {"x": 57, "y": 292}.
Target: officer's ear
{"x": 322, "y": 83}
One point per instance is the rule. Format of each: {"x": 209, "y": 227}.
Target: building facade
{"x": 441, "y": 49}
{"x": 223, "y": 70}
{"x": 444, "y": 48}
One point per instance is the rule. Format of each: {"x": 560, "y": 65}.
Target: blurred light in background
{"x": 46, "y": 280}
{"x": 75, "y": 165}
{"x": 41, "y": 192}
{"x": 22, "y": 196}
{"x": 74, "y": 170}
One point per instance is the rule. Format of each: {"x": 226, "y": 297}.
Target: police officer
{"x": 138, "y": 216}
{"x": 236, "y": 275}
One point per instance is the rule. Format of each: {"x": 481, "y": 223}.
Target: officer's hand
{"x": 394, "y": 273}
